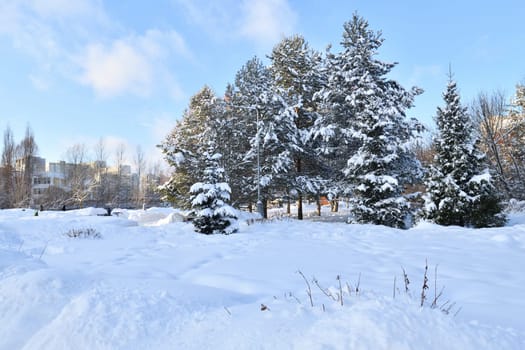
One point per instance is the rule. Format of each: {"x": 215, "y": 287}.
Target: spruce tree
{"x": 366, "y": 116}
{"x": 210, "y": 197}
{"x": 459, "y": 186}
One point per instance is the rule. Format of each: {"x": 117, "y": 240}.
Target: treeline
{"x": 334, "y": 125}
{"x": 79, "y": 180}
{"x": 312, "y": 125}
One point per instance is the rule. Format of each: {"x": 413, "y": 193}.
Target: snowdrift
{"x": 150, "y": 282}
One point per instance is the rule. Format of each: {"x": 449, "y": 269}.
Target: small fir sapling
{"x": 210, "y": 199}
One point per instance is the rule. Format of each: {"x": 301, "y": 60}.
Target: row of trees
{"x": 16, "y": 179}
{"x": 334, "y": 124}
{"x": 97, "y": 183}
{"x": 77, "y": 181}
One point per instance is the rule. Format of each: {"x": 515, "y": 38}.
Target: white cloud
{"x": 216, "y": 18}
{"x": 158, "y": 43}
{"x": 263, "y": 22}
{"x": 130, "y": 65}
{"x": 41, "y": 28}
{"x": 66, "y": 8}
{"x": 47, "y": 31}
{"x": 117, "y": 69}
{"x": 266, "y": 21}
{"x": 27, "y": 32}
{"x": 69, "y": 39}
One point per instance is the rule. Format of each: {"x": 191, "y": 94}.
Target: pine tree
{"x": 331, "y": 131}
{"x": 459, "y": 186}
{"x": 296, "y": 78}
{"x": 210, "y": 198}
{"x": 231, "y": 145}
{"x": 252, "y": 106}
{"x": 365, "y": 122}
{"x": 241, "y": 120}
{"x": 181, "y": 148}
{"x": 278, "y": 142}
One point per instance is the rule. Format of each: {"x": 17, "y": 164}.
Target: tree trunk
{"x": 334, "y": 206}
{"x": 265, "y": 208}
{"x": 300, "y": 194}
{"x": 300, "y": 206}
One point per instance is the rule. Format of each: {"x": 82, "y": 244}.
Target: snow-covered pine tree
{"x": 296, "y": 78}
{"x": 210, "y": 197}
{"x": 249, "y": 103}
{"x": 278, "y": 142}
{"x": 459, "y": 186}
{"x": 242, "y": 125}
{"x": 231, "y": 145}
{"x": 181, "y": 148}
{"x": 366, "y": 114}
{"x": 333, "y": 143}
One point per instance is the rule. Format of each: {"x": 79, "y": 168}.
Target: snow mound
{"x": 155, "y": 216}
{"x": 89, "y": 211}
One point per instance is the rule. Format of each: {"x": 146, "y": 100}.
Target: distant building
{"x": 87, "y": 184}
{"x": 38, "y": 164}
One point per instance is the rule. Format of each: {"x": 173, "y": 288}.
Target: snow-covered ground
{"x": 150, "y": 282}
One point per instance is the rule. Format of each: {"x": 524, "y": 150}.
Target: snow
{"x": 485, "y": 176}
{"x": 151, "y": 282}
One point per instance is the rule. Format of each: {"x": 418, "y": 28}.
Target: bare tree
{"x": 25, "y": 153}
{"x": 489, "y": 112}
{"x": 517, "y": 141}
{"x": 54, "y": 197}
{"x": 140, "y": 165}
{"x": 502, "y": 134}
{"x": 154, "y": 178}
{"x": 424, "y": 151}
{"x": 79, "y": 178}
{"x": 103, "y": 190}
{"x": 121, "y": 177}
{"x": 7, "y": 173}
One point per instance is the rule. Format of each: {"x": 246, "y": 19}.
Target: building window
{"x": 41, "y": 181}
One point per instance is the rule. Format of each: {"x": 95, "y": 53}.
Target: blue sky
{"x": 76, "y": 71}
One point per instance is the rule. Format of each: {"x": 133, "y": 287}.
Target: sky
{"x": 123, "y": 71}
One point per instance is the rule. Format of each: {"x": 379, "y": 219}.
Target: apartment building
{"x": 54, "y": 175}
{"x": 56, "y": 184}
